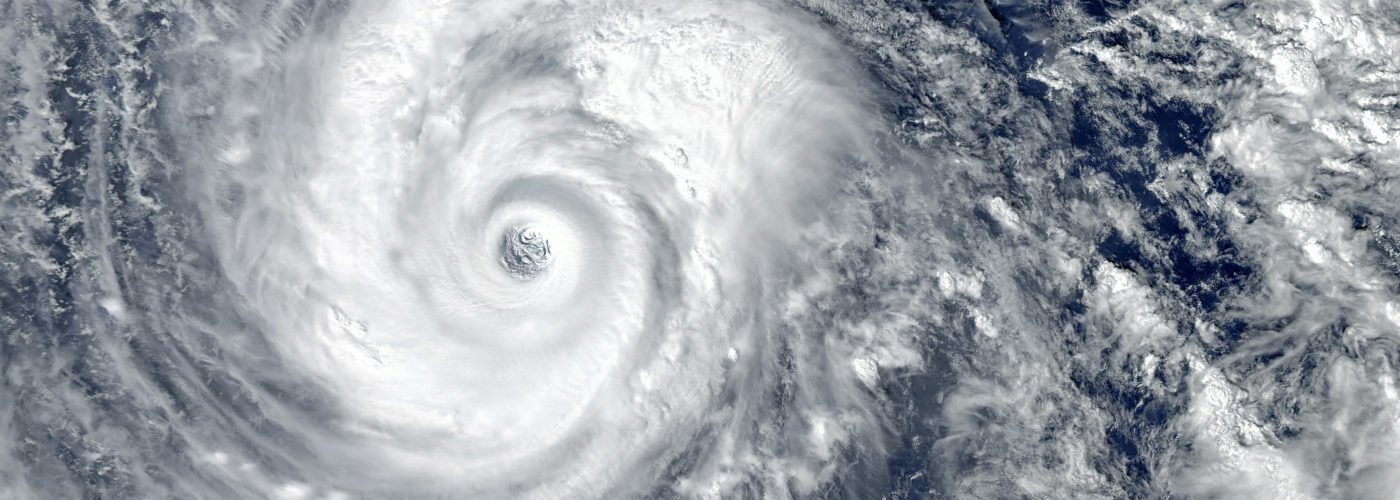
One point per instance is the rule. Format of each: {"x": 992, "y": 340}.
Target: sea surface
{"x": 877, "y": 249}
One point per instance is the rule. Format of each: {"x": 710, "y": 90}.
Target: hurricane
{"x": 347, "y": 249}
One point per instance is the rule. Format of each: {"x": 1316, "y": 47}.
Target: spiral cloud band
{"x": 675, "y": 249}
{"x": 436, "y": 154}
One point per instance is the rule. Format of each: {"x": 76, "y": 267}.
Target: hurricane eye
{"x": 525, "y": 252}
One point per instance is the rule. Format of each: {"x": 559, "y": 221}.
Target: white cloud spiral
{"x": 673, "y": 160}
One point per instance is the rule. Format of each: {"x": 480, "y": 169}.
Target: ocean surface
{"x": 874, "y": 249}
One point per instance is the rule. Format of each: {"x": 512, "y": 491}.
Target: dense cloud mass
{"x": 675, "y": 249}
